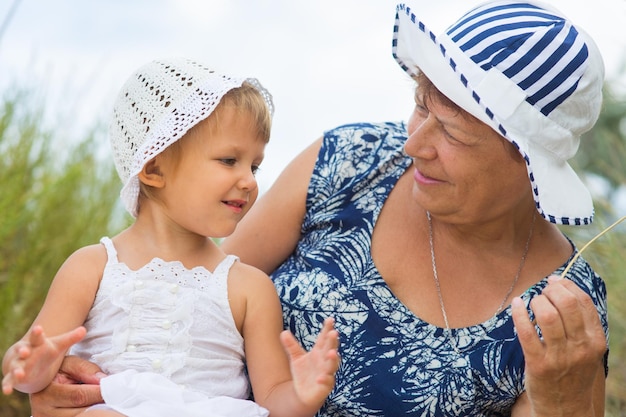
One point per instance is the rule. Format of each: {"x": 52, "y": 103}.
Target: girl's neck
{"x": 145, "y": 240}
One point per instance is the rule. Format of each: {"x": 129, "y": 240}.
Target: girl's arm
{"x": 31, "y": 363}
{"x": 299, "y": 390}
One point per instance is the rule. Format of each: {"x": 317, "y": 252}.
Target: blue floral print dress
{"x": 393, "y": 363}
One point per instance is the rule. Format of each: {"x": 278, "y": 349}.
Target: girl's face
{"x": 464, "y": 170}
{"x": 213, "y": 184}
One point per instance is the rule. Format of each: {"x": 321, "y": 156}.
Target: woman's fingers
{"x": 564, "y": 358}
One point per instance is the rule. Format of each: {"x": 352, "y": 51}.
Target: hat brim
{"x": 560, "y": 196}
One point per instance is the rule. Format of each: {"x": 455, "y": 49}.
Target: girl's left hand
{"x": 314, "y": 372}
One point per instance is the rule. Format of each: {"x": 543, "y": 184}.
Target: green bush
{"x": 606, "y": 255}
{"x": 55, "y": 196}
{"x": 603, "y": 152}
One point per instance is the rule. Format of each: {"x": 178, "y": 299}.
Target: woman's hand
{"x": 74, "y": 389}
{"x": 565, "y": 367}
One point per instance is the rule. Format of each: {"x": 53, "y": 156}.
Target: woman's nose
{"x": 421, "y": 132}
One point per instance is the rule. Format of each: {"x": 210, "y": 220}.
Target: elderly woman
{"x": 434, "y": 244}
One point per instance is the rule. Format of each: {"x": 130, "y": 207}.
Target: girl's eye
{"x": 229, "y": 161}
{"x": 255, "y": 169}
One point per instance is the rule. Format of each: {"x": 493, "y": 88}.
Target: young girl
{"x": 166, "y": 313}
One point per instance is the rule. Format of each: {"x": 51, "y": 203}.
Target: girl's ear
{"x": 151, "y": 174}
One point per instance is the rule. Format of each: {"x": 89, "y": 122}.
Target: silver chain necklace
{"x": 434, "y": 264}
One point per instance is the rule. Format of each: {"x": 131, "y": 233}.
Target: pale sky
{"x": 326, "y": 62}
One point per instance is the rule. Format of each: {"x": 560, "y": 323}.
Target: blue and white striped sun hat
{"x": 524, "y": 69}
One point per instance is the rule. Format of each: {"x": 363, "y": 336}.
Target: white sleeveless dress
{"x": 166, "y": 336}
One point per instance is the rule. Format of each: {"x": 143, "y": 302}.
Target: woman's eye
{"x": 449, "y": 136}
{"x": 421, "y": 111}
{"x": 454, "y": 139}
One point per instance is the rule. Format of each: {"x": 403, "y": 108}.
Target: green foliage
{"x": 603, "y": 152}
{"x": 609, "y": 260}
{"x": 606, "y": 255}
{"x": 54, "y": 198}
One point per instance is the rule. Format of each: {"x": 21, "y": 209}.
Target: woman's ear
{"x": 151, "y": 174}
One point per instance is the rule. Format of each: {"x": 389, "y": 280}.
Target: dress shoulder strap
{"x": 111, "y": 252}
{"x": 224, "y": 266}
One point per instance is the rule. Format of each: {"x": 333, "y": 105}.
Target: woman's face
{"x": 463, "y": 169}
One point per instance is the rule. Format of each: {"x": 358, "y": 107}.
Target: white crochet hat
{"x": 158, "y": 104}
{"x": 524, "y": 69}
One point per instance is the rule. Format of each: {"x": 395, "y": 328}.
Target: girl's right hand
{"x": 29, "y": 364}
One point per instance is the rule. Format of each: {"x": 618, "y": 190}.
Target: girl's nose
{"x": 247, "y": 181}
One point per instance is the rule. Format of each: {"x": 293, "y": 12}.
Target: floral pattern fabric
{"x": 393, "y": 363}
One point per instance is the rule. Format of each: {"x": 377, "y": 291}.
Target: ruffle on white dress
{"x": 174, "y": 329}
{"x": 147, "y": 394}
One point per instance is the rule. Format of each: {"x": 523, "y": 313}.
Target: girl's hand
{"x": 314, "y": 372}
{"x": 29, "y": 362}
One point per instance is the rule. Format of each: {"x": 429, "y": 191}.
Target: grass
{"x": 603, "y": 152}
{"x": 606, "y": 255}
{"x": 54, "y": 199}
